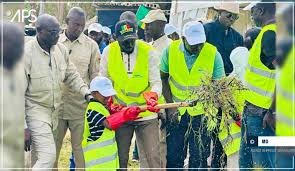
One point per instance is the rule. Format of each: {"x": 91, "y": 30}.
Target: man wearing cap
{"x": 171, "y": 31}
{"x": 83, "y": 52}
{"x": 183, "y": 64}
{"x": 132, "y": 65}
{"x": 225, "y": 38}
{"x": 155, "y": 22}
{"x": 95, "y": 32}
{"x": 258, "y": 117}
{"x": 107, "y": 35}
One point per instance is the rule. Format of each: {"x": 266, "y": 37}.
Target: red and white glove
{"x": 127, "y": 114}
{"x": 151, "y": 99}
{"x": 113, "y": 108}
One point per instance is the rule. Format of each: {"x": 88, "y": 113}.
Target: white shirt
{"x": 129, "y": 62}
{"x": 160, "y": 44}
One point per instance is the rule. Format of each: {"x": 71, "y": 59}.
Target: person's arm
{"x": 154, "y": 74}
{"x": 268, "y": 49}
{"x": 103, "y": 67}
{"x": 94, "y": 61}
{"x": 218, "y": 70}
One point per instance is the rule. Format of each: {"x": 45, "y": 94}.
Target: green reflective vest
{"x": 103, "y": 152}
{"x": 285, "y": 96}
{"x": 182, "y": 81}
{"x": 260, "y": 80}
{"x": 130, "y": 89}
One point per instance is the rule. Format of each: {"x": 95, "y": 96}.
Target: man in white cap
{"x": 171, "y": 31}
{"x": 183, "y": 64}
{"x": 155, "y": 22}
{"x": 107, "y": 35}
{"x": 95, "y": 32}
{"x": 220, "y": 34}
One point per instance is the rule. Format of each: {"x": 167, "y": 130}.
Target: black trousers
{"x": 192, "y": 132}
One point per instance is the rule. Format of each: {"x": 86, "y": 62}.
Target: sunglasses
{"x": 232, "y": 16}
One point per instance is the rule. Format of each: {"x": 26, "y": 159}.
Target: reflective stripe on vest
{"x": 230, "y": 138}
{"x": 260, "y": 79}
{"x": 130, "y": 88}
{"x": 101, "y": 160}
{"x": 183, "y": 82}
{"x": 101, "y": 153}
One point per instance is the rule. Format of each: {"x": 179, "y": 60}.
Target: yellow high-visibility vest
{"x": 130, "y": 90}
{"x": 285, "y": 100}
{"x": 182, "y": 81}
{"x": 230, "y": 132}
{"x": 103, "y": 152}
{"x": 260, "y": 80}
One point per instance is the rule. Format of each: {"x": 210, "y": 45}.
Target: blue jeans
{"x": 253, "y": 156}
{"x": 285, "y": 160}
{"x": 188, "y": 132}
{"x": 72, "y": 163}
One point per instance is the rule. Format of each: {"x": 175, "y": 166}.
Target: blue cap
{"x": 103, "y": 85}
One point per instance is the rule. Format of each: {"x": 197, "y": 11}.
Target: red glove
{"x": 151, "y": 98}
{"x": 127, "y": 114}
{"x": 113, "y": 108}
{"x": 239, "y": 121}
{"x": 153, "y": 109}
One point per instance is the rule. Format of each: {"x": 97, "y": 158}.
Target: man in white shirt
{"x": 155, "y": 22}
{"x": 132, "y": 65}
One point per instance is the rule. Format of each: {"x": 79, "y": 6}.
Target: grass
{"x": 63, "y": 162}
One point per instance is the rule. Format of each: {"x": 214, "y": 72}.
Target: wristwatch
{"x": 88, "y": 97}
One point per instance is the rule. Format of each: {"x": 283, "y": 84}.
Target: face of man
{"x": 75, "y": 25}
{"x": 152, "y": 28}
{"x": 227, "y": 18}
{"x": 192, "y": 49}
{"x": 256, "y": 15}
{"x": 96, "y": 36}
{"x": 49, "y": 35}
{"x": 127, "y": 45}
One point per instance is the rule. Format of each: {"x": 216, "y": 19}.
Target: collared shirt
{"x": 224, "y": 40}
{"x": 160, "y": 44}
{"x": 84, "y": 54}
{"x": 129, "y": 62}
{"x": 45, "y": 75}
{"x": 102, "y": 45}
{"x": 218, "y": 70}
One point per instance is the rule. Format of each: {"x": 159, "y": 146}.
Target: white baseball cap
{"x": 154, "y": 15}
{"x": 230, "y": 7}
{"x": 169, "y": 29}
{"x": 103, "y": 85}
{"x": 95, "y": 27}
{"x": 194, "y": 33}
{"x": 106, "y": 30}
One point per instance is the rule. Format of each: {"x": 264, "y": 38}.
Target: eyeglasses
{"x": 54, "y": 32}
{"x": 232, "y": 16}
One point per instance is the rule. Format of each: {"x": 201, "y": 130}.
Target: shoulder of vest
{"x": 211, "y": 46}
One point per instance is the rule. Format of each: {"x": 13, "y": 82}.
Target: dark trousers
{"x": 190, "y": 131}
{"x": 219, "y": 158}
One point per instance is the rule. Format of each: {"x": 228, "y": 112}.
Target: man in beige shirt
{"x": 155, "y": 22}
{"x": 47, "y": 68}
{"x": 84, "y": 54}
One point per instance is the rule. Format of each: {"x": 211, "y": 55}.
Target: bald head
{"x": 13, "y": 44}
{"x": 46, "y": 22}
{"x": 75, "y": 12}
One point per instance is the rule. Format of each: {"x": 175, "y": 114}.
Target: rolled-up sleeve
{"x": 73, "y": 78}
{"x": 154, "y": 73}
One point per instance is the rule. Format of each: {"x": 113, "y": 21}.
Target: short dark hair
{"x": 268, "y": 7}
